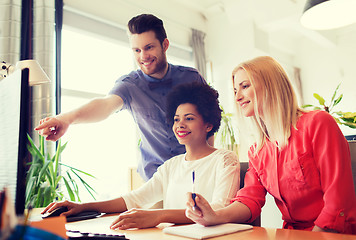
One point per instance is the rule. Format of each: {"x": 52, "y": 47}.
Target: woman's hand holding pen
{"x": 200, "y": 211}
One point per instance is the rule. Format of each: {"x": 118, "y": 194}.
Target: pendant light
{"x": 328, "y": 14}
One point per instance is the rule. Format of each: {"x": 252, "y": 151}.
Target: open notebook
{"x": 198, "y": 231}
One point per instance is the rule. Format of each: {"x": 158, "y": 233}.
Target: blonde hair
{"x": 277, "y": 99}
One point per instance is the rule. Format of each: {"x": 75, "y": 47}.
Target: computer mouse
{"x": 56, "y": 212}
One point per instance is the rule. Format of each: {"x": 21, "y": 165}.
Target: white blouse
{"x": 217, "y": 179}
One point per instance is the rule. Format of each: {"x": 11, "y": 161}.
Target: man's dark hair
{"x": 204, "y": 97}
{"x": 147, "y": 22}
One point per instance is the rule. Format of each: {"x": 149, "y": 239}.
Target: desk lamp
{"x": 36, "y": 73}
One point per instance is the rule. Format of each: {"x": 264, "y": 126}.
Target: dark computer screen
{"x": 14, "y": 122}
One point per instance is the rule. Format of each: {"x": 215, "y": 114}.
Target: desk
{"x": 101, "y": 225}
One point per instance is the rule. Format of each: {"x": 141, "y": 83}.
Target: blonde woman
{"x": 301, "y": 158}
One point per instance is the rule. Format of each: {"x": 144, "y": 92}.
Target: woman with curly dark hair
{"x": 194, "y": 114}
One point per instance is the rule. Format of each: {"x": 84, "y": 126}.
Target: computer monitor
{"x": 14, "y": 125}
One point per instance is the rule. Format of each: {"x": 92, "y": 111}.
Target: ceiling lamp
{"x": 328, "y": 14}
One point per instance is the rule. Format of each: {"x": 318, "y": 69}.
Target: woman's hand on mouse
{"x": 73, "y": 208}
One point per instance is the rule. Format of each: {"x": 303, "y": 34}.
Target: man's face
{"x": 150, "y": 54}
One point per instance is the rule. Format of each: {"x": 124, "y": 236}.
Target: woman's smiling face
{"x": 244, "y": 93}
{"x": 189, "y": 126}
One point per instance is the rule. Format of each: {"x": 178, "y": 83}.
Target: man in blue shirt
{"x": 142, "y": 92}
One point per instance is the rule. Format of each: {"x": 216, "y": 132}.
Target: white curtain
{"x": 198, "y": 46}
{"x": 10, "y": 30}
{"x": 44, "y": 34}
{"x": 43, "y": 97}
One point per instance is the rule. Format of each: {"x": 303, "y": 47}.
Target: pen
{"x": 193, "y": 192}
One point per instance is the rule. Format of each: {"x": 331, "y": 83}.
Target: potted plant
{"x": 44, "y": 176}
{"x": 342, "y": 118}
{"x": 226, "y": 134}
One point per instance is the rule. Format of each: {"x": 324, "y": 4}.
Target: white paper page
{"x": 198, "y": 231}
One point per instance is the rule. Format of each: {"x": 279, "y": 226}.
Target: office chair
{"x": 243, "y": 170}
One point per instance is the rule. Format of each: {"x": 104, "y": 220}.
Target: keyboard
{"x": 76, "y": 235}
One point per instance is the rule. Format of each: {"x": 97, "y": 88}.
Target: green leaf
{"x": 34, "y": 151}
{"x": 350, "y": 115}
{"x": 86, "y": 185}
{"x": 57, "y": 180}
{"x": 337, "y": 120}
{"x": 72, "y": 181}
{"x": 34, "y": 170}
{"x": 320, "y": 99}
{"x": 333, "y": 97}
{"x": 307, "y": 106}
{"x": 56, "y": 160}
{"x": 337, "y": 100}
{"x": 44, "y": 169}
{"x": 351, "y": 125}
{"x": 51, "y": 175}
{"x": 69, "y": 190}
{"x": 29, "y": 189}
{"x": 38, "y": 198}
{"x": 42, "y": 145}
{"x": 76, "y": 169}
{"x": 47, "y": 196}
{"x": 349, "y": 120}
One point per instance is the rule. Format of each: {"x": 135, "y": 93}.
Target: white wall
{"x": 178, "y": 20}
{"x": 225, "y": 49}
{"x": 323, "y": 68}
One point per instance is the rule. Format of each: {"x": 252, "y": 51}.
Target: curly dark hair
{"x": 204, "y": 97}
{"x": 147, "y": 22}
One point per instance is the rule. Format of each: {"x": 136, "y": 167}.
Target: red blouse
{"x": 310, "y": 179}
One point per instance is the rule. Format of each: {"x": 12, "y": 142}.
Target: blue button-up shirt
{"x": 148, "y": 109}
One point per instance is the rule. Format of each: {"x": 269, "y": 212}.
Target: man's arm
{"x": 96, "y": 110}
